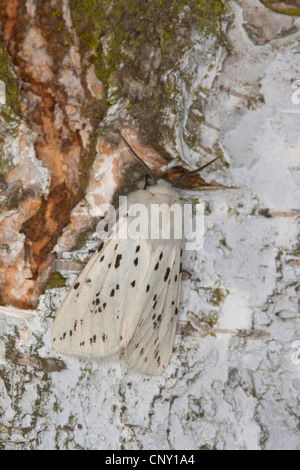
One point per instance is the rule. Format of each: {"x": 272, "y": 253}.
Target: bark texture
{"x": 184, "y": 80}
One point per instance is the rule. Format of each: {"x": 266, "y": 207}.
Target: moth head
{"x": 161, "y": 187}
{"x": 152, "y": 181}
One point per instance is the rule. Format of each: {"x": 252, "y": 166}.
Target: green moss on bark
{"x": 13, "y": 90}
{"x": 132, "y": 43}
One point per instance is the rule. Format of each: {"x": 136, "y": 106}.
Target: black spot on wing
{"x": 93, "y": 339}
{"x": 156, "y": 321}
{"x": 104, "y": 337}
{"x": 118, "y": 260}
{"x": 167, "y": 274}
{"x": 76, "y": 285}
{"x": 133, "y": 283}
{"x": 100, "y": 246}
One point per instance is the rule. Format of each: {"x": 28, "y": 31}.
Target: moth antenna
{"x": 193, "y": 172}
{"x": 138, "y": 158}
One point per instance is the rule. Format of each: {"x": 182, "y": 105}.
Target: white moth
{"x": 128, "y": 294}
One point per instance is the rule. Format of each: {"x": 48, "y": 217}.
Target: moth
{"x": 128, "y": 294}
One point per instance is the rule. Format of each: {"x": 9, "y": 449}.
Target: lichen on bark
{"x": 133, "y": 43}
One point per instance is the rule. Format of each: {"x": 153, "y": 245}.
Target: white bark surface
{"x": 239, "y": 387}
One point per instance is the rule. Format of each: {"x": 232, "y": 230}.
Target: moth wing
{"x": 99, "y": 314}
{"x": 151, "y": 345}
{"x": 127, "y": 295}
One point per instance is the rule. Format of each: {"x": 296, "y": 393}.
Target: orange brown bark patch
{"x": 35, "y": 53}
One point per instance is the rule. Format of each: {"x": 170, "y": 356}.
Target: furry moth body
{"x": 127, "y": 296}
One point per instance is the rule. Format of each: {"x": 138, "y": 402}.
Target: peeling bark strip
{"x": 51, "y": 72}
{"x": 48, "y": 72}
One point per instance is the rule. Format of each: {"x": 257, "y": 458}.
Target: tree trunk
{"x": 186, "y": 81}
